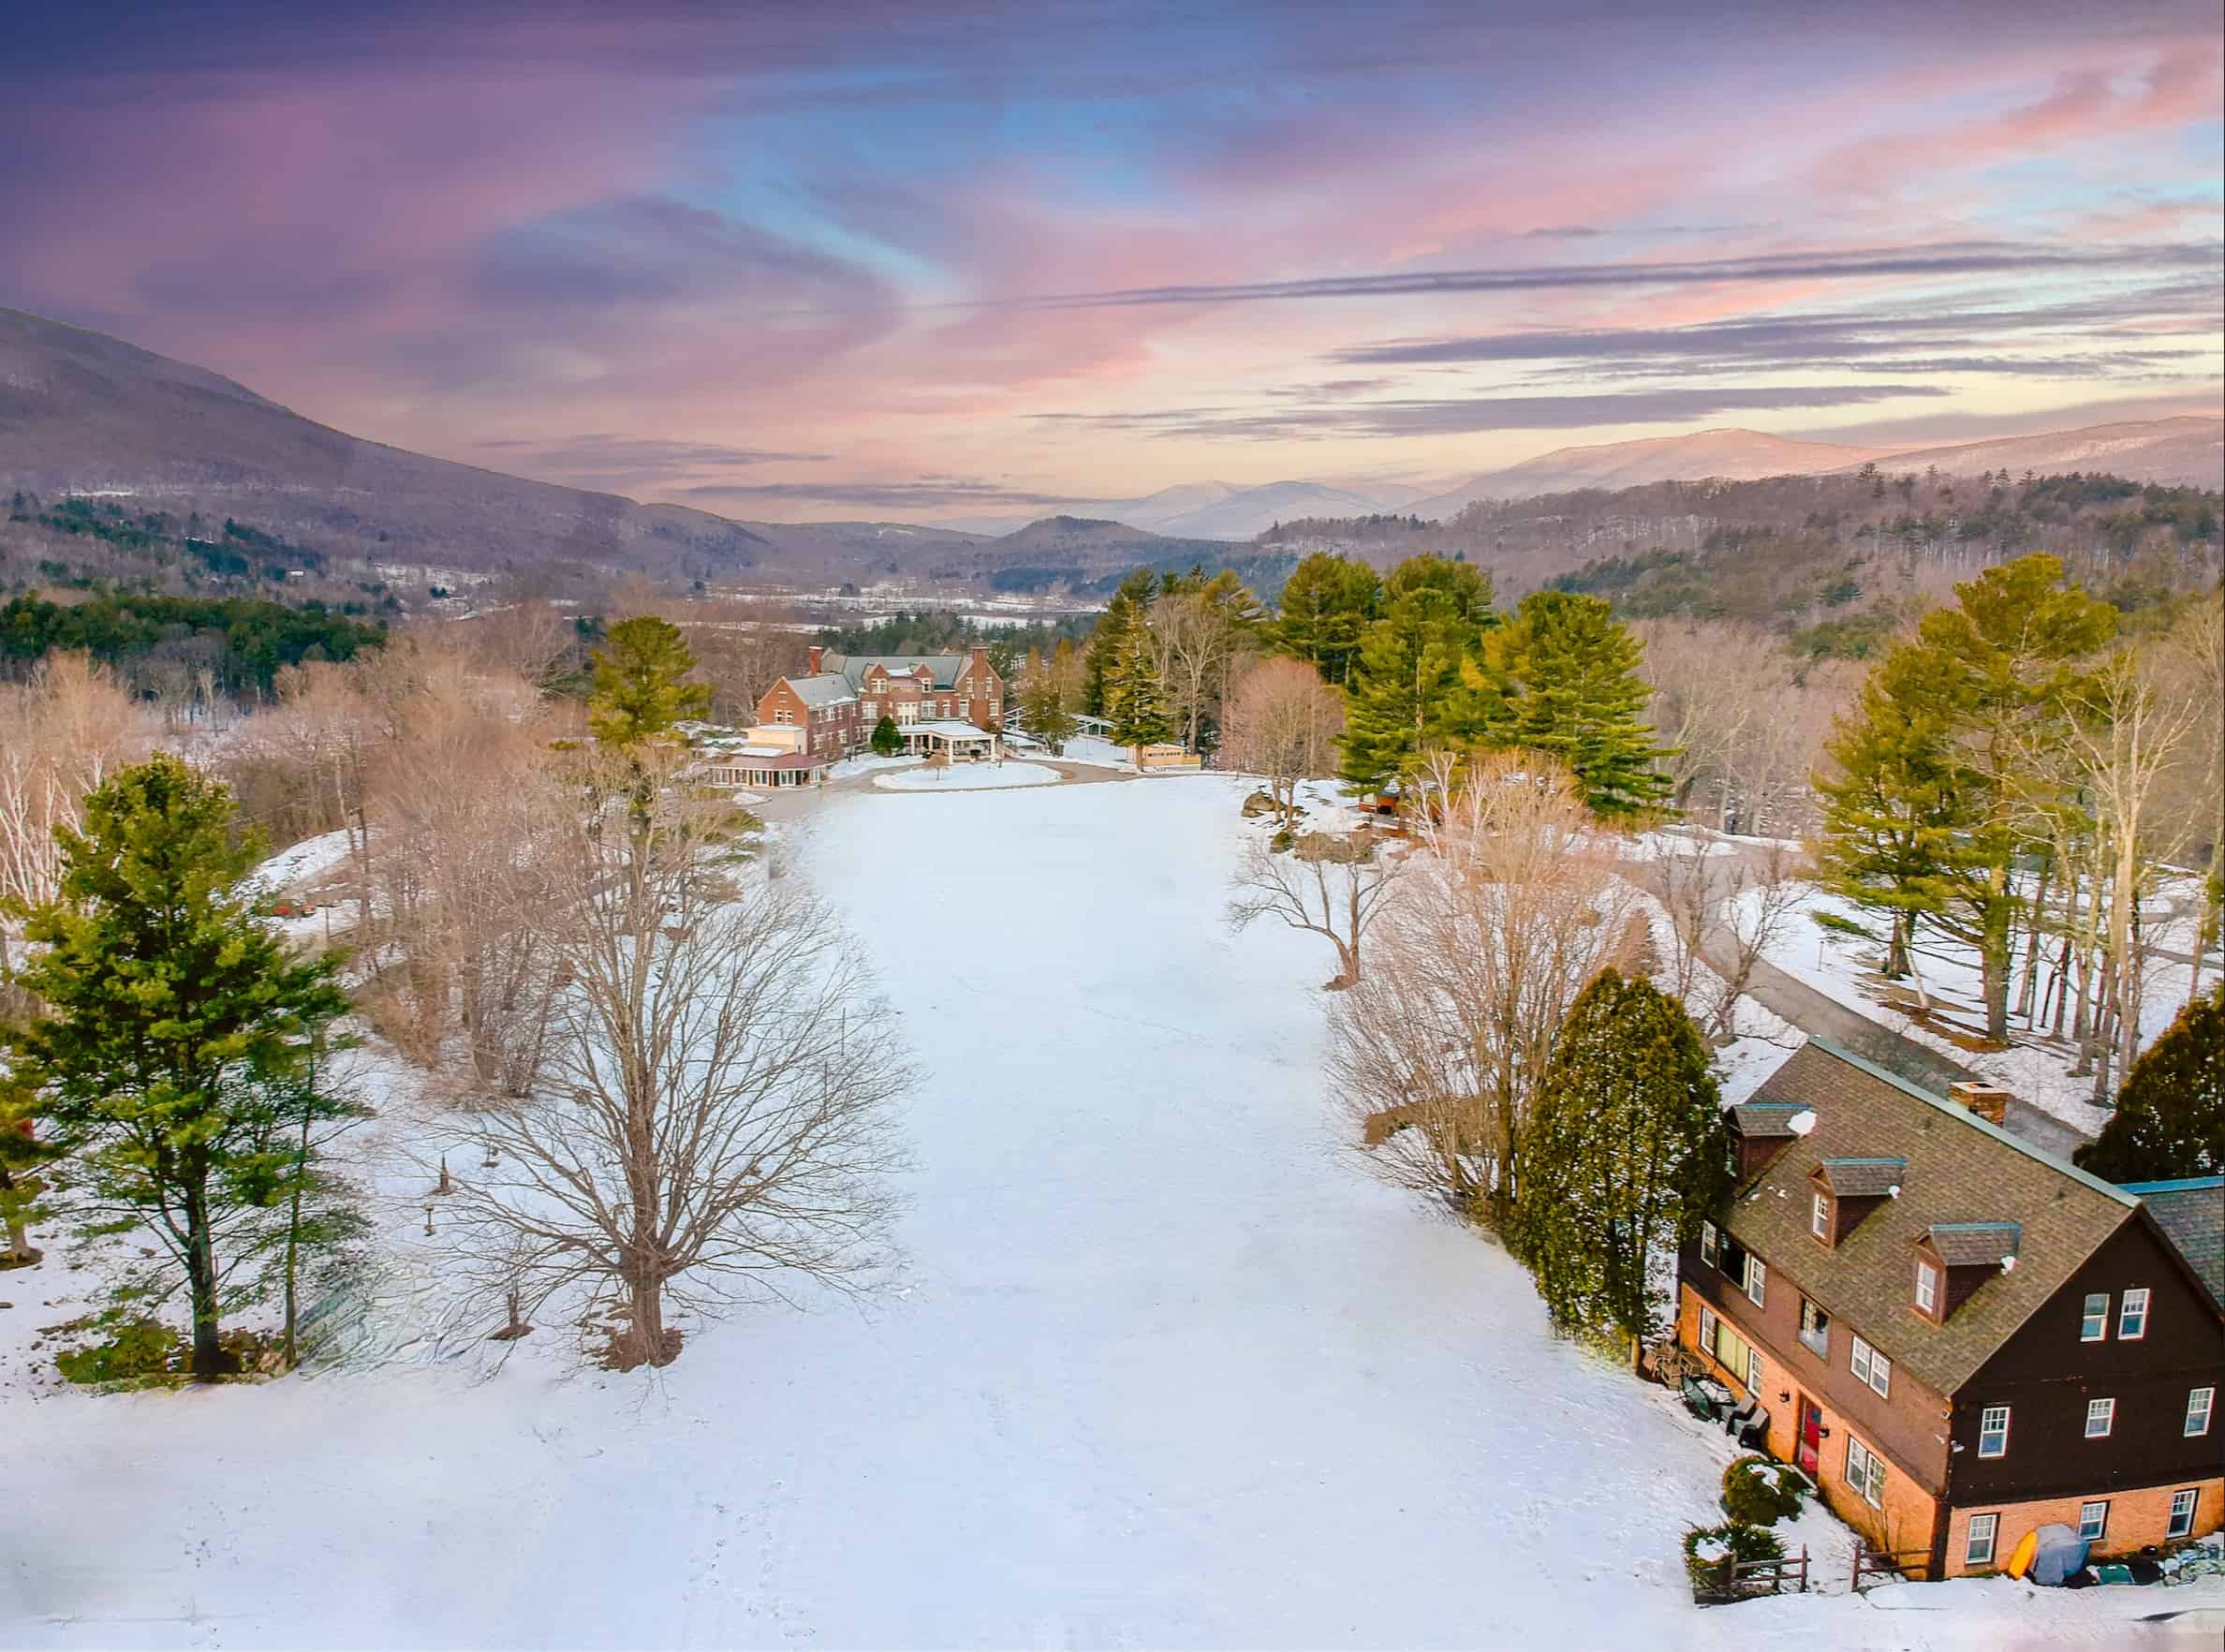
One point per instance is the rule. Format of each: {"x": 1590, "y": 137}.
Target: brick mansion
{"x": 948, "y": 704}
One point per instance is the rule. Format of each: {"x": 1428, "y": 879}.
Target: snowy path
{"x": 1164, "y": 1368}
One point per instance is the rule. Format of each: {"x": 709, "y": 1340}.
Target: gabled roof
{"x": 1975, "y": 1245}
{"x": 2191, "y": 1213}
{"x": 820, "y": 690}
{"x": 943, "y": 668}
{"x": 1765, "y": 1120}
{"x": 1864, "y": 1178}
{"x": 1958, "y": 1169}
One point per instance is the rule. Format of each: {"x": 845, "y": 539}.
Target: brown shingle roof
{"x": 1958, "y": 1169}
{"x": 2191, "y": 1211}
{"x": 1975, "y": 1245}
{"x": 1765, "y": 1120}
{"x": 1864, "y": 1178}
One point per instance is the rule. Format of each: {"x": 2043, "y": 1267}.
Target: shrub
{"x": 1710, "y": 1551}
{"x": 1758, "y": 1491}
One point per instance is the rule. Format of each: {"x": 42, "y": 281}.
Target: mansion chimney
{"x": 812, "y": 659}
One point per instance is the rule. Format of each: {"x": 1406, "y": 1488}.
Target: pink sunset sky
{"x": 911, "y": 260}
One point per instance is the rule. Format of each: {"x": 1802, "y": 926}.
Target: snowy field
{"x": 1162, "y": 1368}
{"x": 968, "y": 777}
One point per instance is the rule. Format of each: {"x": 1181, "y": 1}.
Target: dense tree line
{"x": 244, "y": 643}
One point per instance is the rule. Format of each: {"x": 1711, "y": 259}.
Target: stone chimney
{"x": 813, "y": 657}
{"x": 1990, "y": 1103}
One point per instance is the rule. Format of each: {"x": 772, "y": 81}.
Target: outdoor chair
{"x": 1748, "y": 1425}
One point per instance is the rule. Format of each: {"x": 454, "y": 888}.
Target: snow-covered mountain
{"x": 2188, "y": 451}
{"x": 1737, "y": 455}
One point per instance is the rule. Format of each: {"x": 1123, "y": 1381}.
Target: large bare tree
{"x": 1327, "y": 885}
{"x": 713, "y": 1119}
{"x": 1282, "y": 725}
{"x": 1512, "y": 902}
{"x": 61, "y": 734}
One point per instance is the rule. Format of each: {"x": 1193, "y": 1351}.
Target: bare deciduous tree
{"x": 1727, "y": 905}
{"x": 61, "y": 734}
{"x": 1329, "y": 886}
{"x": 713, "y": 1122}
{"x": 1282, "y": 725}
{"x": 1512, "y": 902}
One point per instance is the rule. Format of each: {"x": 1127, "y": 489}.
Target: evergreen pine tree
{"x": 1561, "y": 677}
{"x": 1888, "y": 808}
{"x": 1956, "y": 715}
{"x": 1402, "y": 698}
{"x": 1134, "y": 698}
{"x": 1622, "y": 1158}
{"x": 641, "y": 689}
{"x": 2170, "y": 1117}
{"x": 22, "y": 1154}
{"x": 1122, "y": 614}
{"x": 175, "y": 1019}
{"x": 888, "y": 740}
{"x": 1325, "y": 608}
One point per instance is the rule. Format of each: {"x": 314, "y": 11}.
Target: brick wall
{"x": 2136, "y": 1520}
{"x": 1908, "y": 1517}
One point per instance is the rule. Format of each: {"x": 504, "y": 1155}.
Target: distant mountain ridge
{"x": 2188, "y": 451}
{"x": 85, "y": 413}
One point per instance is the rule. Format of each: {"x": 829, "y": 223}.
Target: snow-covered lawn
{"x": 968, "y": 777}
{"x": 1162, "y": 1368}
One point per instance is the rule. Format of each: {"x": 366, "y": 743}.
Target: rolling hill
{"x": 81, "y": 413}
{"x": 2183, "y": 452}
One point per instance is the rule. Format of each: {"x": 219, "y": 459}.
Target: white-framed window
{"x": 2094, "y": 1326}
{"x": 1865, "y": 1472}
{"x": 784, "y": 716}
{"x": 2181, "y": 1512}
{"x": 1756, "y": 1280}
{"x": 2201, "y": 1401}
{"x": 1872, "y": 1367}
{"x": 1707, "y": 1329}
{"x": 2132, "y": 1315}
{"x": 1927, "y": 1286}
{"x": 1753, "y": 1370}
{"x": 1815, "y": 1329}
{"x": 1978, "y": 1548}
{"x": 1711, "y": 1243}
{"x": 1819, "y": 1215}
{"x": 1992, "y": 1432}
{"x": 2100, "y": 1418}
{"x": 2093, "y": 1521}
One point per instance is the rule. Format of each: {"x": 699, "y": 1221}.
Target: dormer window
{"x": 1845, "y": 1190}
{"x": 1954, "y": 1259}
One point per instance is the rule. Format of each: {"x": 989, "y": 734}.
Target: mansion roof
{"x": 852, "y": 667}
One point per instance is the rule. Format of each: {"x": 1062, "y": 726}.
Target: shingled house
{"x": 1956, "y": 1336}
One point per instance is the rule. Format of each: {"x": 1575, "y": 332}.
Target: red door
{"x": 1811, "y": 1437}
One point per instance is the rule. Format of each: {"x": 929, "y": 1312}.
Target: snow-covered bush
{"x": 1711, "y": 1551}
{"x": 1758, "y": 1491}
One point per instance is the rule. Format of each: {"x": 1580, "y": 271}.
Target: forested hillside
{"x": 1833, "y": 561}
